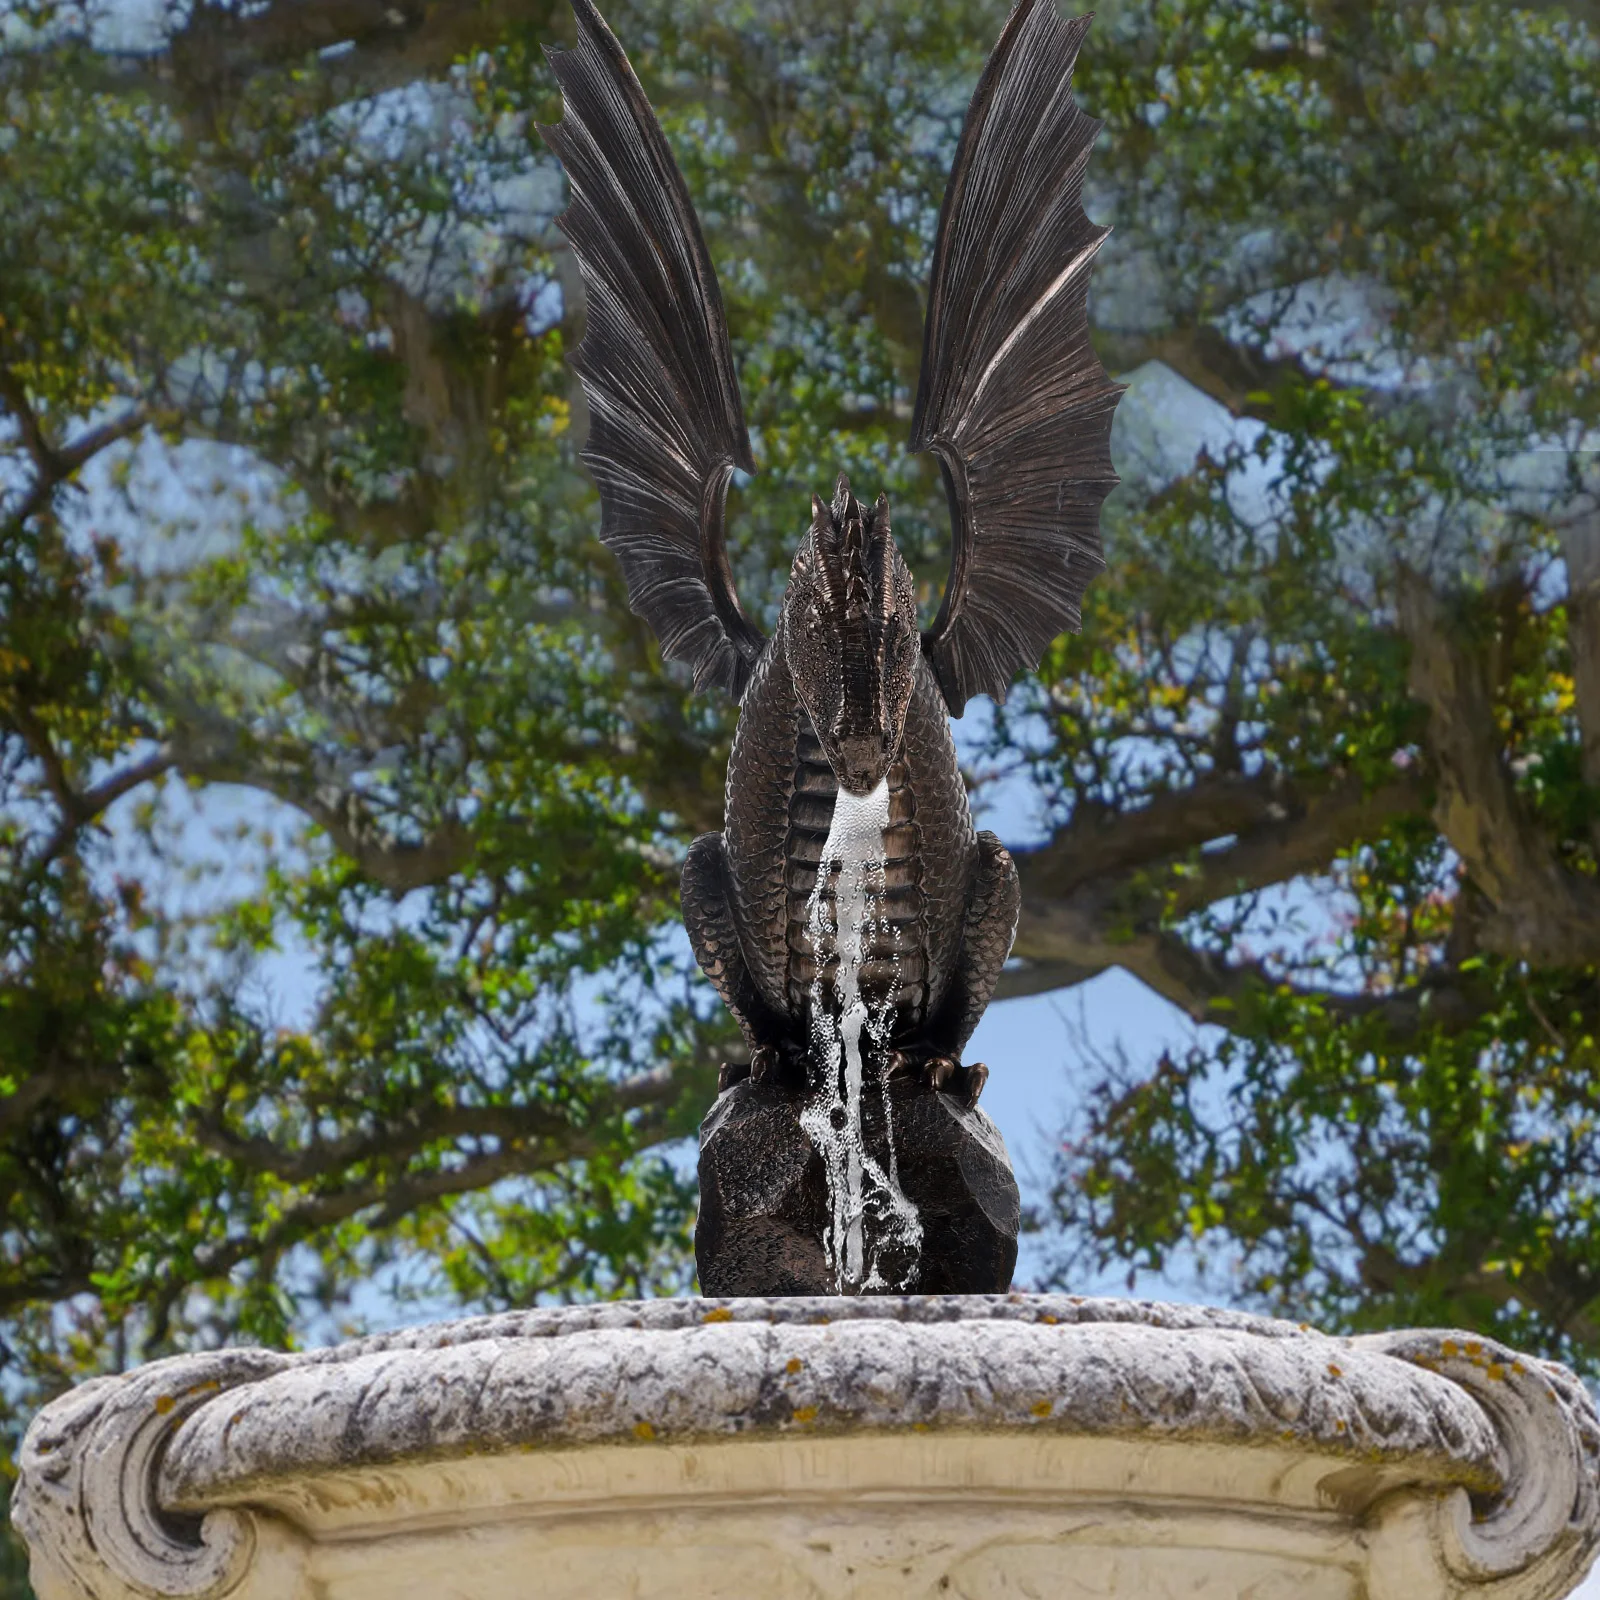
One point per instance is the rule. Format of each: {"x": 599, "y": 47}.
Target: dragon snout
{"x": 863, "y": 760}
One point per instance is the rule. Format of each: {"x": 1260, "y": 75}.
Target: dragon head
{"x": 850, "y": 636}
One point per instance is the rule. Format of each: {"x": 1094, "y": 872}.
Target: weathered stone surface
{"x": 976, "y": 1446}
{"x": 764, "y": 1203}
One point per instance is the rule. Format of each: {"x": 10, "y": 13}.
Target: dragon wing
{"x": 1012, "y": 398}
{"x": 666, "y": 424}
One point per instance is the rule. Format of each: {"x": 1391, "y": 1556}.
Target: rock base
{"x": 765, "y": 1210}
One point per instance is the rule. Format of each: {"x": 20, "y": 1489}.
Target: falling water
{"x": 873, "y": 1227}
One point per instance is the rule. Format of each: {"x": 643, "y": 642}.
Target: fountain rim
{"x": 736, "y": 1371}
{"x": 174, "y": 1478}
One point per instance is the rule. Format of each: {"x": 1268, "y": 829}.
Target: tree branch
{"x": 1210, "y": 989}
{"x": 43, "y": 747}
{"x": 1102, "y": 841}
{"x": 1541, "y": 911}
{"x": 360, "y": 48}
{"x": 1102, "y": 893}
{"x": 780, "y": 189}
{"x": 92, "y": 803}
{"x": 1281, "y": 833}
{"x": 399, "y": 865}
{"x": 379, "y": 44}
{"x": 397, "y": 1141}
{"x": 1565, "y": 1294}
{"x": 1030, "y": 977}
{"x": 1304, "y": 838}
{"x": 44, "y": 1288}
{"x": 1240, "y": 376}
{"x": 207, "y": 746}
{"x": 531, "y": 1143}
{"x": 28, "y": 426}
{"x": 1580, "y": 545}
{"x": 1106, "y": 890}
{"x": 57, "y": 466}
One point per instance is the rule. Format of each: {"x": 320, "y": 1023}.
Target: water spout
{"x": 874, "y": 1234}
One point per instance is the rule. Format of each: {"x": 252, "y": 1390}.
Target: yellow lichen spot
{"x": 1049, "y": 1321}
{"x": 1339, "y": 1425}
{"x": 164, "y": 1404}
{"x": 1042, "y": 1408}
{"x": 643, "y": 1430}
{"x": 721, "y": 1314}
{"x": 1335, "y": 1371}
{"x": 794, "y": 1365}
{"x": 1473, "y": 1348}
{"x": 919, "y": 1427}
{"x": 1496, "y": 1371}
{"x": 1447, "y": 1348}
{"x": 805, "y": 1413}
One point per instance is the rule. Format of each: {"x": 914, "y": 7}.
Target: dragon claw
{"x": 941, "y": 1072}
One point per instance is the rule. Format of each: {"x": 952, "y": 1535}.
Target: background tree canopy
{"x": 290, "y": 511}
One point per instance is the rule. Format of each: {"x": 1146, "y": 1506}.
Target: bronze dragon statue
{"x": 848, "y": 695}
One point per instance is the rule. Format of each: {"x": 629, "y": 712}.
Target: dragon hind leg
{"x": 714, "y": 937}
{"x": 990, "y": 928}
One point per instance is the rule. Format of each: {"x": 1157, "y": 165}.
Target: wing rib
{"x": 1068, "y": 273}
{"x": 666, "y": 425}
{"x": 1012, "y": 398}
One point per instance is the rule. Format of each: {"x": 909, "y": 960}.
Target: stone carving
{"x": 972, "y": 1445}
{"x": 849, "y": 914}
{"x": 1549, "y": 1448}
{"x": 87, "y": 1501}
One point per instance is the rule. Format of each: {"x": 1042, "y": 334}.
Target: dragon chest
{"x": 895, "y": 964}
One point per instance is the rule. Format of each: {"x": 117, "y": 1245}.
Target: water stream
{"x": 874, "y": 1234}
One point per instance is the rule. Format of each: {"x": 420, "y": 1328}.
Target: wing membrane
{"x": 1013, "y": 399}
{"x": 666, "y": 423}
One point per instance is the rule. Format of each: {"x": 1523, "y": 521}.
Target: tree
{"x": 283, "y": 286}
{"x": 1382, "y": 688}
{"x": 268, "y": 273}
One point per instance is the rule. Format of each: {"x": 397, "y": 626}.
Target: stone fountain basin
{"x": 969, "y": 1446}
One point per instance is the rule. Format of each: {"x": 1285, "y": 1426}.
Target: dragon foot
{"x": 942, "y": 1072}
{"x": 776, "y": 1066}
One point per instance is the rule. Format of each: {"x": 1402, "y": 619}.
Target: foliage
{"x": 1356, "y": 651}
{"x": 290, "y": 510}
